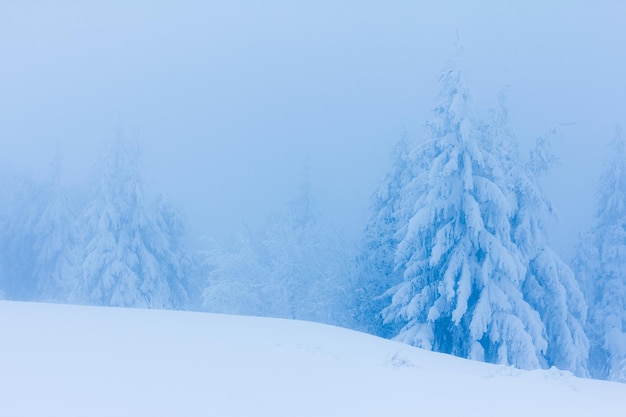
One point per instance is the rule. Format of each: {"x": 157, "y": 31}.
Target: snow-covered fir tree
{"x": 292, "y": 268}
{"x": 237, "y": 277}
{"x": 24, "y": 208}
{"x": 601, "y": 267}
{"x": 460, "y": 247}
{"x": 55, "y": 243}
{"x": 38, "y": 230}
{"x": 309, "y": 264}
{"x": 550, "y": 285}
{"x": 132, "y": 253}
{"x": 375, "y": 263}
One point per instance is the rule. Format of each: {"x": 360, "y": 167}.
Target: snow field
{"x": 59, "y": 360}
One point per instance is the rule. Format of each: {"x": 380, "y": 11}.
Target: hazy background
{"x": 232, "y": 100}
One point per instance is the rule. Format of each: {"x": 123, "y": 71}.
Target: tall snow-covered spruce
{"x": 601, "y": 268}
{"x": 456, "y": 237}
{"x": 132, "y": 252}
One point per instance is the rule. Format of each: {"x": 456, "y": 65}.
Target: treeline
{"x": 106, "y": 246}
{"x": 455, "y": 257}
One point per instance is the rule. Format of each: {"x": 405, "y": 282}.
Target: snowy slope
{"x": 58, "y": 360}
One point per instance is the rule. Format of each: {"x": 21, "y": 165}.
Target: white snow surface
{"x": 61, "y": 360}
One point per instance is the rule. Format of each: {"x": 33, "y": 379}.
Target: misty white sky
{"x": 231, "y": 100}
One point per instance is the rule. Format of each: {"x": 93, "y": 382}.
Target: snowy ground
{"x": 58, "y": 360}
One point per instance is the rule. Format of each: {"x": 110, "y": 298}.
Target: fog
{"x": 234, "y": 102}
